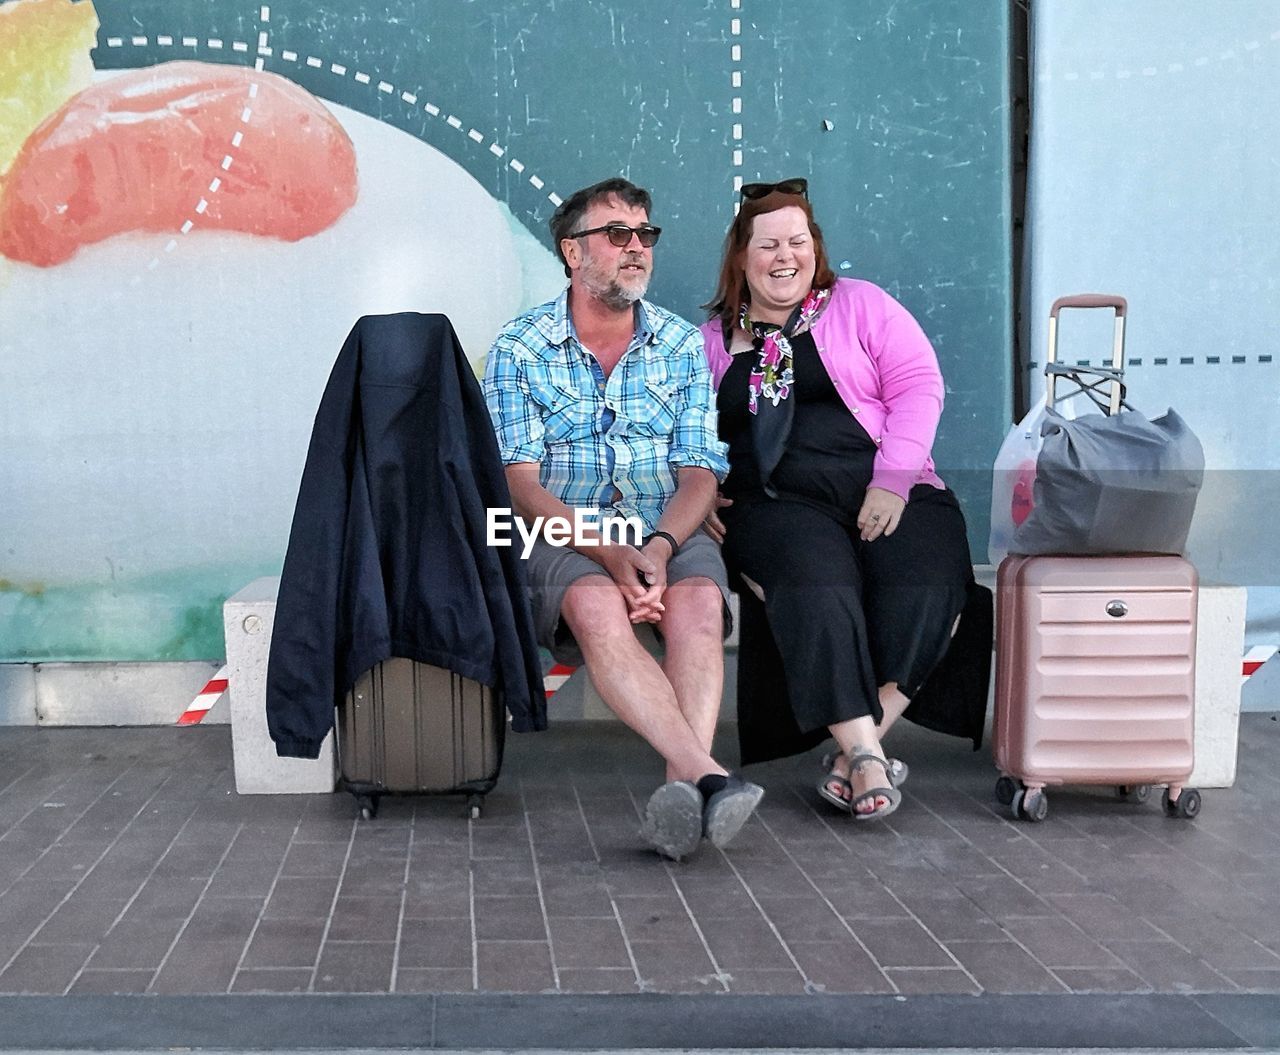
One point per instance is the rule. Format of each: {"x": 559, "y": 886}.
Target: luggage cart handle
{"x": 1091, "y": 300}
{"x": 1115, "y": 375}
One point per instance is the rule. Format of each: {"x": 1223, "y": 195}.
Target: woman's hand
{"x": 880, "y": 513}
{"x": 714, "y": 525}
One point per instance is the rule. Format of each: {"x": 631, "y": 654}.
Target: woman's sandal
{"x": 836, "y": 790}
{"x": 898, "y": 769}
{"x": 893, "y": 795}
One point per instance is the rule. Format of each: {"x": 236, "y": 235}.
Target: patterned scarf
{"x": 773, "y": 377}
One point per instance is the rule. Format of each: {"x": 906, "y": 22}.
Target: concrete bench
{"x": 249, "y": 615}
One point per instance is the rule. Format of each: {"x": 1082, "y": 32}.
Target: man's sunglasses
{"x": 796, "y": 185}
{"x": 620, "y": 234}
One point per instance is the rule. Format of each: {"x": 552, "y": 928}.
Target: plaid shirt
{"x": 610, "y": 445}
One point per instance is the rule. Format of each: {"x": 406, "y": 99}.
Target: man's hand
{"x": 649, "y": 608}
{"x": 634, "y": 573}
{"x": 880, "y": 514}
{"x": 713, "y": 523}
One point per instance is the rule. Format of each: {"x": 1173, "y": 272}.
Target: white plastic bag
{"x": 1013, "y": 480}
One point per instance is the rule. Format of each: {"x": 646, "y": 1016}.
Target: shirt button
{"x": 857, "y": 409}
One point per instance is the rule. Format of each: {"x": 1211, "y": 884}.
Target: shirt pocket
{"x": 566, "y": 410}
{"x": 659, "y": 405}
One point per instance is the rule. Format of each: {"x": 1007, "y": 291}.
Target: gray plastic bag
{"x": 1118, "y": 484}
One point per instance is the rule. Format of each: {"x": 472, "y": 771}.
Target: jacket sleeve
{"x": 910, "y": 388}
{"x": 301, "y": 670}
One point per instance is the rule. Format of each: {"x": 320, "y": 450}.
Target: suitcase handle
{"x": 1090, "y": 300}
{"x": 1115, "y": 375}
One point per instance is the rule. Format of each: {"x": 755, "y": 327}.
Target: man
{"x": 602, "y": 401}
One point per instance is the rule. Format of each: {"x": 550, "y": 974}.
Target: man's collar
{"x": 557, "y": 327}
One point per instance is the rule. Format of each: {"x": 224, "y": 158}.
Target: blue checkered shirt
{"x": 609, "y": 445}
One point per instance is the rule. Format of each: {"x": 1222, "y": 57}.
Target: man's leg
{"x": 693, "y": 635}
{"x": 630, "y": 681}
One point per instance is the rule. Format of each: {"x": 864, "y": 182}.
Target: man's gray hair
{"x": 568, "y": 217}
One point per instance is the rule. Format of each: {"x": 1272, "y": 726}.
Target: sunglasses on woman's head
{"x": 795, "y": 185}
{"x": 619, "y": 234}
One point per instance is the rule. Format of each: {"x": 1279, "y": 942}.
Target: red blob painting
{"x": 221, "y": 147}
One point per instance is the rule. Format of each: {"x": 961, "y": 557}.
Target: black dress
{"x": 846, "y": 616}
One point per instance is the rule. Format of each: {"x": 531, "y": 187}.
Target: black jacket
{"x": 387, "y": 553}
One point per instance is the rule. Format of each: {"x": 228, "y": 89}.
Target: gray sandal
{"x": 898, "y": 771}
{"x": 893, "y": 795}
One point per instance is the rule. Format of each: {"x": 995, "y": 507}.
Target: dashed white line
{"x": 1172, "y": 67}
{"x": 139, "y": 42}
{"x": 164, "y": 42}
{"x": 338, "y": 69}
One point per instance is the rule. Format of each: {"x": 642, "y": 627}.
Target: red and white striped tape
{"x": 556, "y": 677}
{"x": 1253, "y": 659}
{"x": 206, "y": 698}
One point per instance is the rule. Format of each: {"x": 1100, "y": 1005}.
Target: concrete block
{"x": 248, "y": 618}
{"x": 17, "y": 694}
{"x": 1219, "y": 646}
{"x": 117, "y": 693}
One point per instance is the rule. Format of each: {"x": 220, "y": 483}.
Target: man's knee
{"x": 594, "y": 610}
{"x": 694, "y": 606}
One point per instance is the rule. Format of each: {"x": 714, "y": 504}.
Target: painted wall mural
{"x": 197, "y": 199}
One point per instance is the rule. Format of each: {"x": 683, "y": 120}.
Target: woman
{"x": 829, "y": 396}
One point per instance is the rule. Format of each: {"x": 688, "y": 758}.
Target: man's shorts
{"x": 553, "y": 569}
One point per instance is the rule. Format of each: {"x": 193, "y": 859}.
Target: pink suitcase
{"x": 1095, "y": 678}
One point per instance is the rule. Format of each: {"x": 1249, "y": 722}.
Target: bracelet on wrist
{"x": 675, "y": 546}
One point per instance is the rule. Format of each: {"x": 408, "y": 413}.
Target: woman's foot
{"x": 833, "y": 762}
{"x": 870, "y": 780}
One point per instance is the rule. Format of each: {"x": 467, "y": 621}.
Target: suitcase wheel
{"x": 1005, "y": 790}
{"x": 1138, "y": 793}
{"x": 1030, "y": 805}
{"x": 1186, "y": 805}
{"x": 368, "y": 805}
{"x": 475, "y": 804}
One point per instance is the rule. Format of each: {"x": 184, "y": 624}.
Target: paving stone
{"x": 197, "y": 967}
{"x": 355, "y": 967}
{"x": 272, "y": 980}
{"x": 589, "y": 944}
{"x": 44, "y": 968}
{"x": 514, "y": 966}
{"x": 365, "y": 919}
{"x": 433, "y": 980}
{"x": 285, "y": 943}
{"x": 509, "y": 919}
{"x": 110, "y": 983}
{"x": 910, "y": 980}
{"x": 436, "y": 943}
{"x": 598, "y": 980}
{"x": 901, "y": 943}
{"x": 1005, "y": 967}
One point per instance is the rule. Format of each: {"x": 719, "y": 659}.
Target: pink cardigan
{"x": 885, "y": 370}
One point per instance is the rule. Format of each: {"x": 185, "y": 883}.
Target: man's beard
{"x": 608, "y": 290}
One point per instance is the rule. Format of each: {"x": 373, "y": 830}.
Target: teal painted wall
{"x": 158, "y": 413}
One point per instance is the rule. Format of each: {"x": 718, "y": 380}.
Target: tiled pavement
{"x": 128, "y": 864}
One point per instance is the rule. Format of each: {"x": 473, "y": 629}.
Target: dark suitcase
{"x": 411, "y": 728}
